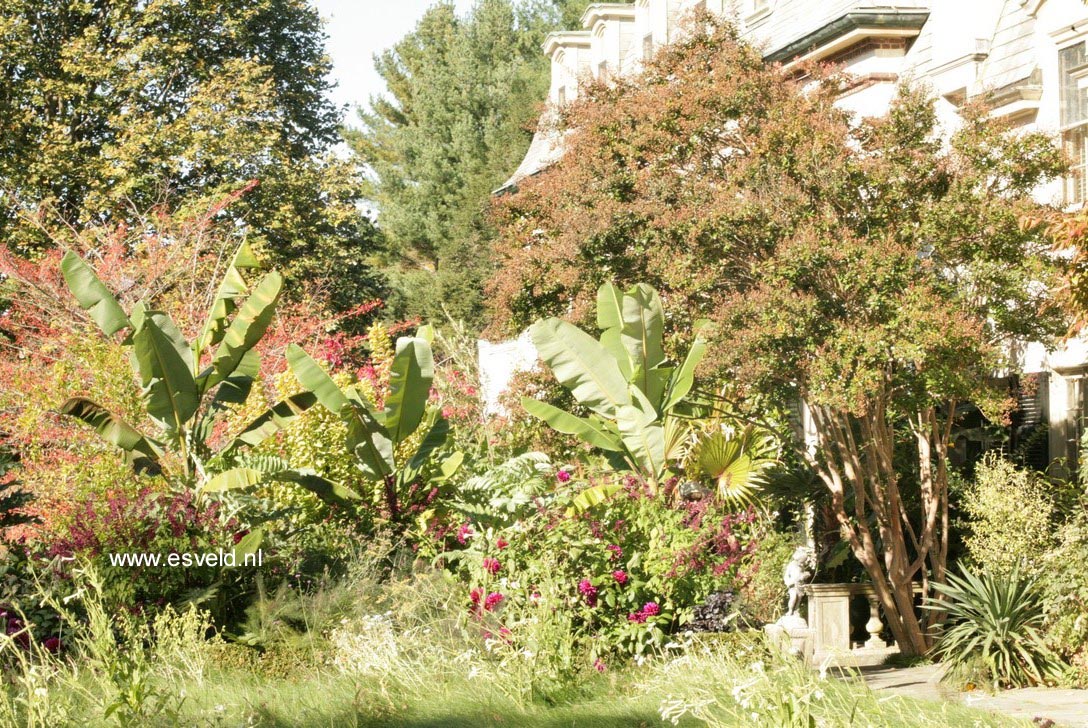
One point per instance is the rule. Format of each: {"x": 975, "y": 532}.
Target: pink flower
{"x": 585, "y": 586}
{"x": 475, "y": 595}
{"x": 492, "y": 566}
{"x": 620, "y": 576}
{"x": 492, "y": 600}
{"x": 650, "y": 609}
{"x": 464, "y": 533}
{"x": 502, "y": 543}
{"x": 637, "y": 617}
{"x": 617, "y": 552}
{"x": 562, "y": 476}
{"x": 599, "y": 665}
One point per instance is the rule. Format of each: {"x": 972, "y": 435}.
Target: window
{"x": 1073, "y": 70}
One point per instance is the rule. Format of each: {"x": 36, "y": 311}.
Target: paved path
{"x": 1063, "y": 707}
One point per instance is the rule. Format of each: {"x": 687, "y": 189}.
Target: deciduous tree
{"x": 873, "y": 270}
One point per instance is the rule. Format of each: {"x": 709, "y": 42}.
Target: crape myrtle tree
{"x": 110, "y": 109}
{"x": 873, "y": 270}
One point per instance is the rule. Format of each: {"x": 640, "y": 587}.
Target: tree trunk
{"x": 855, "y": 459}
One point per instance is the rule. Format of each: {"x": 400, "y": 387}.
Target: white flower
{"x": 757, "y": 666}
{"x": 40, "y": 692}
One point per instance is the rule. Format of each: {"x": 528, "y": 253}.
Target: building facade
{"x": 1027, "y": 58}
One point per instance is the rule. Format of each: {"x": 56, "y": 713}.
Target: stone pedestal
{"x": 792, "y": 634}
{"x": 829, "y": 617}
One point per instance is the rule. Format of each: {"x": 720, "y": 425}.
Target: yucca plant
{"x": 188, "y": 386}
{"x": 994, "y": 621}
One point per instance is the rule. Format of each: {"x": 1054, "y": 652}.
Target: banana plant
{"x": 623, "y": 378}
{"x": 187, "y": 386}
{"x": 384, "y": 441}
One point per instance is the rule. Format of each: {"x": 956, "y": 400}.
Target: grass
{"x": 401, "y": 652}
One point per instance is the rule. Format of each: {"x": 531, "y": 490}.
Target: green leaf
{"x": 643, "y": 436}
{"x": 434, "y": 439}
{"x": 582, "y": 365}
{"x": 315, "y": 379}
{"x": 231, "y": 287}
{"x": 684, "y": 377}
{"x": 643, "y": 329}
{"x": 594, "y": 496}
{"x": 593, "y": 432}
{"x": 610, "y": 340}
{"x": 273, "y": 420}
{"x": 165, "y": 362}
{"x": 110, "y": 427}
{"x": 235, "y": 479}
{"x": 248, "y": 546}
{"x": 410, "y": 380}
{"x": 609, "y": 307}
{"x": 245, "y": 330}
{"x": 92, "y": 295}
{"x": 449, "y": 467}
{"x": 369, "y": 442}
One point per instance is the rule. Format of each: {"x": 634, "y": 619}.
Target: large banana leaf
{"x": 684, "y": 377}
{"x": 275, "y": 419}
{"x": 434, "y": 439}
{"x": 643, "y": 329}
{"x": 111, "y": 427}
{"x": 582, "y": 365}
{"x": 244, "y": 477}
{"x": 245, "y": 330}
{"x": 92, "y": 295}
{"x": 369, "y": 441}
{"x": 610, "y": 340}
{"x": 311, "y": 376}
{"x": 165, "y": 360}
{"x": 593, "y": 432}
{"x": 643, "y": 436}
{"x": 410, "y": 380}
{"x": 231, "y": 287}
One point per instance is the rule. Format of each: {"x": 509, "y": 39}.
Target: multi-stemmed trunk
{"x": 901, "y": 551}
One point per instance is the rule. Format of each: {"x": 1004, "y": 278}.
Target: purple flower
{"x": 52, "y": 644}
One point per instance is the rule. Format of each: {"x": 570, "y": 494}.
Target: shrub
{"x": 995, "y": 622}
{"x": 1064, "y": 580}
{"x": 1010, "y": 514}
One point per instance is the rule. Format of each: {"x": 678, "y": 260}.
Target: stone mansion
{"x": 1027, "y": 58}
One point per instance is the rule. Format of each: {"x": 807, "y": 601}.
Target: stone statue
{"x": 797, "y": 574}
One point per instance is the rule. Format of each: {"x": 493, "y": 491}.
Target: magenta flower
{"x": 585, "y": 586}
{"x": 562, "y": 476}
{"x": 620, "y": 576}
{"x": 502, "y": 543}
{"x": 52, "y": 644}
{"x": 492, "y": 600}
{"x": 650, "y": 609}
{"x": 617, "y": 552}
{"x": 637, "y": 617}
{"x": 492, "y": 566}
{"x": 464, "y": 533}
{"x": 599, "y": 665}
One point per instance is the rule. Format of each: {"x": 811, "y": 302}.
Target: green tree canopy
{"x": 111, "y": 108}
{"x": 464, "y": 94}
{"x": 869, "y": 268}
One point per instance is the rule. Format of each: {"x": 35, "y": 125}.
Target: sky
{"x": 357, "y": 30}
